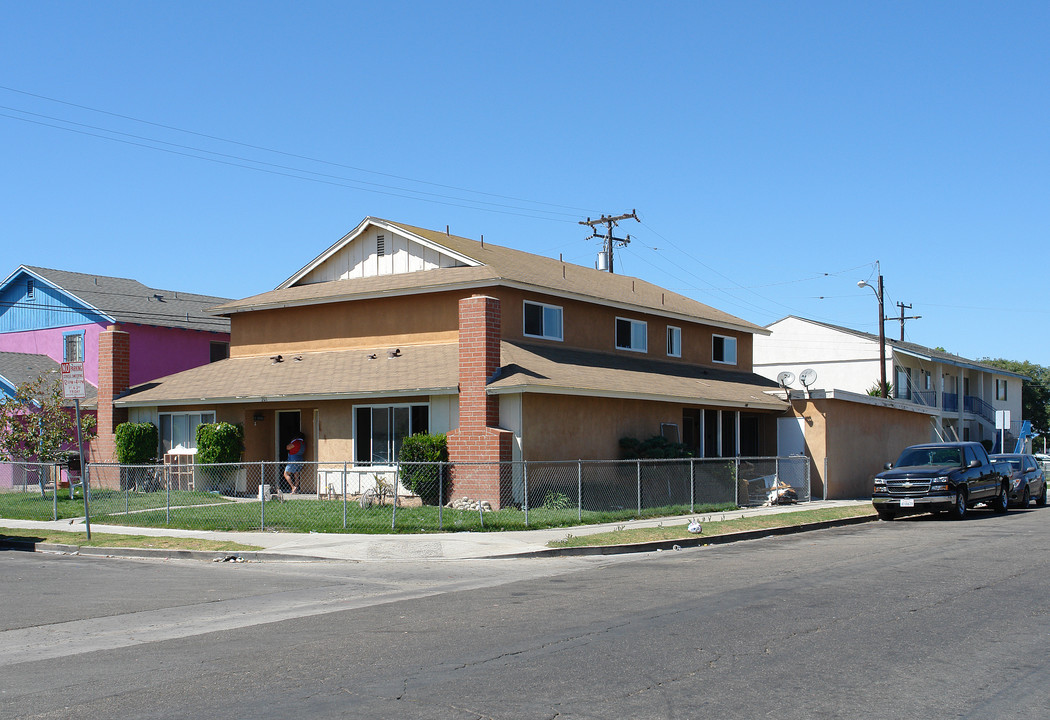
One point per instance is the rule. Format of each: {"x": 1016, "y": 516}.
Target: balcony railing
{"x": 927, "y": 398}
{"x": 951, "y": 402}
{"x": 977, "y": 406}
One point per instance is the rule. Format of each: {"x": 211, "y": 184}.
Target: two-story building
{"x": 396, "y": 329}
{"x": 961, "y": 395}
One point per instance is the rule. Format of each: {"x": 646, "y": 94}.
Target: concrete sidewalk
{"x": 392, "y": 547}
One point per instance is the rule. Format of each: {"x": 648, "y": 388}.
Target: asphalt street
{"x": 916, "y": 618}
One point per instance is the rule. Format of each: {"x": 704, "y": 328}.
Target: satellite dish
{"x": 807, "y": 377}
{"x": 786, "y": 378}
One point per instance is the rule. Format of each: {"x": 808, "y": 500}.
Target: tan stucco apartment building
{"x": 396, "y": 329}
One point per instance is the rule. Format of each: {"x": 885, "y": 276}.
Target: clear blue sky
{"x": 774, "y": 151}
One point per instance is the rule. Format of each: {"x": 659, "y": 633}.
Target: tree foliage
{"x": 38, "y": 424}
{"x": 1035, "y": 390}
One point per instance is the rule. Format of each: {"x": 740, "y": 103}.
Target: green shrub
{"x": 136, "y": 443}
{"x": 219, "y": 443}
{"x": 655, "y": 447}
{"x": 429, "y": 482}
{"x": 556, "y": 501}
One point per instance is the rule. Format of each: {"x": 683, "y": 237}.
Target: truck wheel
{"x": 959, "y": 506}
{"x": 886, "y": 515}
{"x": 1041, "y": 500}
{"x": 1002, "y": 501}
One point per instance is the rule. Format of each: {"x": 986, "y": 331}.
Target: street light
{"x": 882, "y": 333}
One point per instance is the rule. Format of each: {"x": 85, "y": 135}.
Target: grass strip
{"x": 59, "y": 537}
{"x": 713, "y": 528}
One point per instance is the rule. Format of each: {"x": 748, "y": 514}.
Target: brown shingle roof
{"x": 550, "y": 368}
{"x": 433, "y": 370}
{"x": 499, "y": 266}
{"x": 419, "y": 369}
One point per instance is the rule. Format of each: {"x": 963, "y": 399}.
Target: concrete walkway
{"x": 392, "y": 547}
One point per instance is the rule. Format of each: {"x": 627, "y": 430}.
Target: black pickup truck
{"x": 941, "y": 476}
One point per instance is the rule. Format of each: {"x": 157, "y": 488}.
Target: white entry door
{"x": 791, "y": 436}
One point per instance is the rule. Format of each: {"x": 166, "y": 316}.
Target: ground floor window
{"x": 379, "y": 430}
{"x": 181, "y": 429}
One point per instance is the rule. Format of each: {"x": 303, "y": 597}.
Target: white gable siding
{"x": 360, "y": 258}
{"x": 841, "y": 360}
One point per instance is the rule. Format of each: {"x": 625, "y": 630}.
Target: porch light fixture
{"x": 882, "y": 330}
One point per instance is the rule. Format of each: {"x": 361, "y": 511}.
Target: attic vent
{"x": 380, "y": 245}
{"x": 29, "y": 289}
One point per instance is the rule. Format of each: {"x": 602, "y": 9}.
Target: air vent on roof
{"x": 380, "y": 245}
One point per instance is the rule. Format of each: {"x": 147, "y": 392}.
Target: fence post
{"x": 638, "y": 476}
{"x": 736, "y": 479}
{"x": 167, "y": 495}
{"x": 525, "y": 479}
{"x": 441, "y": 493}
{"x": 262, "y": 496}
{"x": 579, "y": 490}
{"x": 692, "y": 487}
{"x": 344, "y": 494}
{"x": 54, "y": 495}
{"x": 393, "y": 514}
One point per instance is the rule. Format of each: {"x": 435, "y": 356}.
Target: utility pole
{"x": 880, "y": 293}
{"x": 610, "y": 222}
{"x": 902, "y": 317}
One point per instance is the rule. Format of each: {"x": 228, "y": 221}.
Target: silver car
{"x": 1027, "y": 479}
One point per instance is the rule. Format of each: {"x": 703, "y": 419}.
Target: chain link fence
{"x": 410, "y": 497}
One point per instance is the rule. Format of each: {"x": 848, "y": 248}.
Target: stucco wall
{"x": 384, "y": 322}
{"x": 155, "y": 351}
{"x": 434, "y": 318}
{"x": 564, "y": 427}
{"x": 857, "y": 439}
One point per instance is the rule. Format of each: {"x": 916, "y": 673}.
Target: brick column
{"x": 479, "y": 438}
{"x": 114, "y": 377}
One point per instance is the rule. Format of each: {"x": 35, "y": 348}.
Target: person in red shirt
{"x": 296, "y": 451}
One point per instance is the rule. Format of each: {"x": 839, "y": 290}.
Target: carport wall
{"x": 857, "y": 437}
{"x": 573, "y": 427}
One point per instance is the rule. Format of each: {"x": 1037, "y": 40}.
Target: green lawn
{"x": 205, "y": 511}
{"x": 30, "y": 506}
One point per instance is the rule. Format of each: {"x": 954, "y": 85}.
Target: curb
{"x": 690, "y": 542}
{"x": 159, "y": 553}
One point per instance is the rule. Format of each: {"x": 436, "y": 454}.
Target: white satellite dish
{"x": 786, "y": 378}
{"x": 807, "y": 377}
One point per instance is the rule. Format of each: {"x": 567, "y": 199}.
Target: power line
{"x": 284, "y": 153}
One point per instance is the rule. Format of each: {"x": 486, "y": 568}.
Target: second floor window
{"x": 73, "y": 349}
{"x": 723, "y": 349}
{"x": 631, "y": 335}
{"x": 543, "y": 321}
{"x": 674, "y": 341}
{"x": 1000, "y": 389}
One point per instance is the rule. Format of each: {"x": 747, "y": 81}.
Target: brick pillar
{"x": 114, "y": 377}
{"x": 479, "y": 438}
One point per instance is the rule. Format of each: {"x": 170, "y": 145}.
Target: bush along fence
{"x": 405, "y": 497}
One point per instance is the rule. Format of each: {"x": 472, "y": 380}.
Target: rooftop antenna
{"x": 609, "y": 221}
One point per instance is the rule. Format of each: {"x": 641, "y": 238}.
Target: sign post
{"x": 1002, "y": 424}
{"x": 73, "y": 389}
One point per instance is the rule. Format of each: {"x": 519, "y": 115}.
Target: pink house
{"x": 124, "y": 332}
